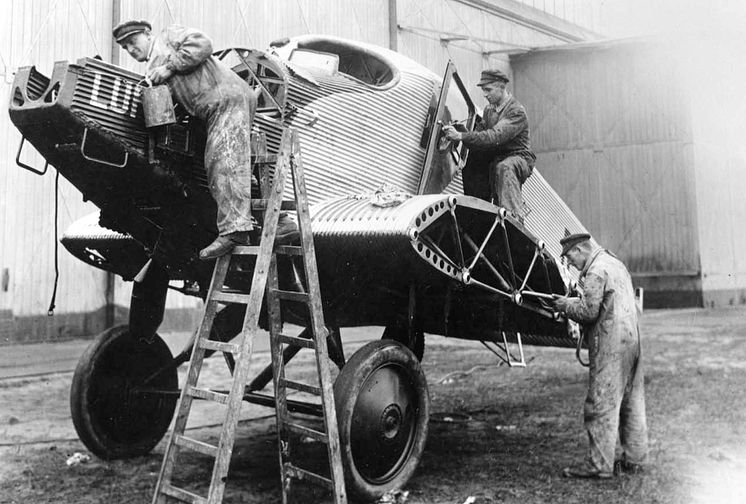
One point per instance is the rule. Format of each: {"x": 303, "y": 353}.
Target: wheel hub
{"x": 391, "y": 421}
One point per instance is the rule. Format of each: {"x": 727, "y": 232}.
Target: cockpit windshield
{"x": 353, "y": 60}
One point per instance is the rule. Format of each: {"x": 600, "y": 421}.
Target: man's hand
{"x": 159, "y": 74}
{"x": 451, "y": 133}
{"x": 560, "y": 303}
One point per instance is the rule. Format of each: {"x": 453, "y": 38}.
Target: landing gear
{"x": 400, "y": 333}
{"x": 382, "y": 407}
{"x": 115, "y": 408}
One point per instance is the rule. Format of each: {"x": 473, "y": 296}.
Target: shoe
{"x": 624, "y": 467}
{"x": 287, "y": 231}
{"x": 584, "y": 472}
{"x": 224, "y": 244}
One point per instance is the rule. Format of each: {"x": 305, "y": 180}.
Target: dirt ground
{"x": 496, "y": 434}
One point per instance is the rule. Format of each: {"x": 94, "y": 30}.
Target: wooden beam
{"x": 393, "y": 27}
{"x": 116, "y": 18}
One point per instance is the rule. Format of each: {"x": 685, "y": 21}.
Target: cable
{"x": 303, "y": 16}
{"x": 578, "y": 348}
{"x": 50, "y": 310}
{"x": 5, "y": 67}
{"x": 38, "y": 33}
{"x": 481, "y": 47}
{"x": 90, "y": 32}
{"x": 170, "y": 12}
{"x": 246, "y": 25}
{"x": 462, "y": 374}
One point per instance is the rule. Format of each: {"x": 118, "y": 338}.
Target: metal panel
{"x": 611, "y": 131}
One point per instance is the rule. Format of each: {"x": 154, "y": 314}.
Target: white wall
{"x": 38, "y": 33}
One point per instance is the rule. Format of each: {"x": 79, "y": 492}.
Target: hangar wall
{"x": 39, "y": 33}
{"x": 643, "y": 139}
{"x": 475, "y": 33}
{"x": 719, "y": 128}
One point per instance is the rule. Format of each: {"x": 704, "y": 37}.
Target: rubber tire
{"x": 111, "y": 424}
{"x": 374, "y": 357}
{"x": 400, "y": 333}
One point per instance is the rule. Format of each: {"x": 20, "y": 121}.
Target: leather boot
{"x": 585, "y": 472}
{"x": 224, "y": 244}
{"x": 287, "y": 230}
{"x": 624, "y": 467}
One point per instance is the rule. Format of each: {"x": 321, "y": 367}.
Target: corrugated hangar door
{"x": 612, "y": 134}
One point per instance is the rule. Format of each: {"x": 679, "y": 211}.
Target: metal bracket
{"x": 511, "y": 362}
{"x": 503, "y": 352}
{"x": 101, "y": 161}
{"x": 24, "y": 165}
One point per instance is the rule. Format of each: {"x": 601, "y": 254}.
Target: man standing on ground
{"x": 210, "y": 91}
{"x": 500, "y": 157}
{"x": 615, "y": 405}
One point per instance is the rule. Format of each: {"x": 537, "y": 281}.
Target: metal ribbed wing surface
{"x": 354, "y": 228}
{"x": 370, "y": 256}
{"x": 548, "y": 216}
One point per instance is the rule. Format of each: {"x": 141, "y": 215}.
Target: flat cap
{"x": 124, "y": 30}
{"x": 490, "y": 76}
{"x": 570, "y": 241}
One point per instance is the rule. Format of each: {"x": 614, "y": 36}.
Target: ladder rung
{"x": 207, "y": 394}
{"x": 261, "y": 204}
{"x": 245, "y": 250}
{"x": 294, "y": 340}
{"x": 303, "y": 387}
{"x": 182, "y": 495}
{"x": 264, "y": 159}
{"x": 302, "y": 474}
{"x": 219, "y": 346}
{"x": 198, "y": 446}
{"x": 230, "y": 297}
{"x": 301, "y": 297}
{"x": 305, "y": 431}
{"x": 289, "y": 250}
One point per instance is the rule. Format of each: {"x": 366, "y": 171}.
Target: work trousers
{"x": 615, "y": 405}
{"x": 506, "y": 178}
{"x": 228, "y": 164}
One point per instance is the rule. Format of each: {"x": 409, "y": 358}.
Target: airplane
{"x": 398, "y": 244}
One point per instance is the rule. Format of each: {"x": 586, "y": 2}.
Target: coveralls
{"x": 615, "y": 405}
{"x": 212, "y": 92}
{"x": 500, "y": 141}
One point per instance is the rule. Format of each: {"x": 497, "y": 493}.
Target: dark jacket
{"x": 503, "y": 132}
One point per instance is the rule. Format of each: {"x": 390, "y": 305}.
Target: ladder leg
{"x": 195, "y": 366}
{"x": 278, "y": 370}
{"x": 318, "y": 328}
{"x": 262, "y": 268}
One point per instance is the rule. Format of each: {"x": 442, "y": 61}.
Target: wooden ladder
{"x": 265, "y": 278}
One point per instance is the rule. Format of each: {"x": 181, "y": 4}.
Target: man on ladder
{"x": 182, "y": 58}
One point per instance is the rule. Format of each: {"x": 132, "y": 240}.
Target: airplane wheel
{"x": 111, "y": 418}
{"x": 383, "y": 407}
{"x": 400, "y": 333}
